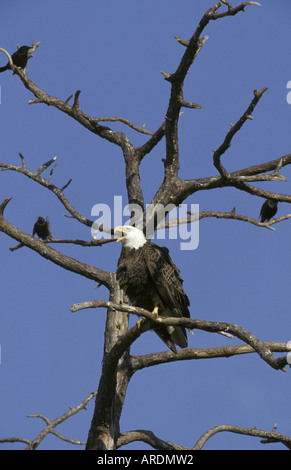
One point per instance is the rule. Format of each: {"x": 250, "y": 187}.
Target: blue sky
{"x": 114, "y": 52}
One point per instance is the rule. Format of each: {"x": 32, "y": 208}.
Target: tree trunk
{"x": 115, "y": 376}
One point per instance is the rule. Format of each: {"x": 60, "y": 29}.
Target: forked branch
{"x": 51, "y": 425}
{"x": 212, "y": 327}
{"x": 156, "y": 443}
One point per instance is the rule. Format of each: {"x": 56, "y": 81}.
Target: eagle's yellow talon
{"x": 154, "y": 312}
{"x": 139, "y": 322}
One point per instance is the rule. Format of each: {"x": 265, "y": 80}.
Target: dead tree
{"x": 118, "y": 364}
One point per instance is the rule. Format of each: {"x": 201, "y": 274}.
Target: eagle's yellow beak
{"x": 119, "y": 229}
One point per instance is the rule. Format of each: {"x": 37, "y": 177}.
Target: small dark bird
{"x": 268, "y": 210}
{"x": 41, "y": 228}
{"x": 19, "y": 58}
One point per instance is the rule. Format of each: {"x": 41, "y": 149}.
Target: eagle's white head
{"x": 131, "y": 237}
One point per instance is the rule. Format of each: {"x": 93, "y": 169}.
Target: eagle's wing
{"x": 169, "y": 284}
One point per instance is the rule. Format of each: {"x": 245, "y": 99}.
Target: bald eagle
{"x": 151, "y": 280}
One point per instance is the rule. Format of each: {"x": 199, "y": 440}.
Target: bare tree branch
{"x": 70, "y": 264}
{"x": 50, "y": 425}
{"x": 270, "y": 436}
{"x": 195, "y": 216}
{"x": 36, "y": 176}
{"x": 212, "y": 327}
{"x": 74, "y": 111}
{"x": 264, "y": 167}
{"x": 164, "y": 357}
{"x": 181, "y": 189}
{"x": 149, "y": 438}
{"x": 228, "y": 215}
{"x": 142, "y": 130}
{"x": 234, "y": 129}
{"x": 151, "y": 143}
{"x": 68, "y": 241}
{"x": 8, "y": 57}
{"x": 117, "y": 138}
{"x": 43, "y": 167}
{"x": 231, "y": 11}
{"x": 261, "y": 192}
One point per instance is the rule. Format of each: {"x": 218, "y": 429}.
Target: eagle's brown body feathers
{"x": 150, "y": 279}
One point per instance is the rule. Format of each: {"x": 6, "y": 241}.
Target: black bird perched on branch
{"x": 41, "y": 228}
{"x": 268, "y": 210}
{"x": 19, "y": 58}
